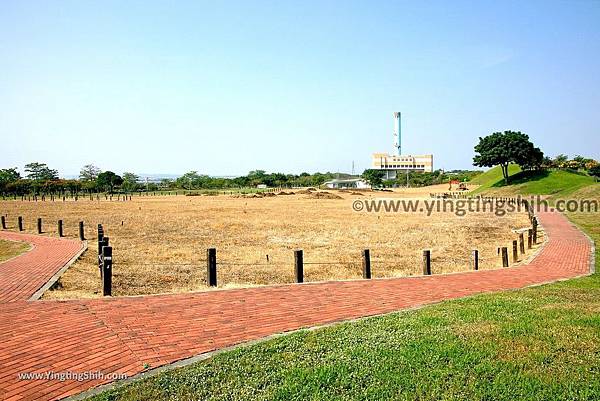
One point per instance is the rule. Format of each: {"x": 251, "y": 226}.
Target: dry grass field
{"x": 159, "y": 243}
{"x": 10, "y": 249}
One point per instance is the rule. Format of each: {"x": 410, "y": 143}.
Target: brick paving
{"x": 122, "y": 334}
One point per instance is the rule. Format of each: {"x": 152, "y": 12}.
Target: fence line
{"x": 106, "y": 262}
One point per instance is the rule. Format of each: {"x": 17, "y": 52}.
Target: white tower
{"x": 397, "y": 133}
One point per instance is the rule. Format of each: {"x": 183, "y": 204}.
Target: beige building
{"x": 395, "y": 165}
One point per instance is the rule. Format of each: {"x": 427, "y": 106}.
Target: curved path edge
{"x": 126, "y": 335}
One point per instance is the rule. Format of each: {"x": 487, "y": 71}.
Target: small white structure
{"x": 357, "y": 183}
{"x": 261, "y": 186}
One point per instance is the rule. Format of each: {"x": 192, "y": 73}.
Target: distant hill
{"x": 556, "y": 183}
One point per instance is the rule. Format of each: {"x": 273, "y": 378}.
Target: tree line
{"x": 41, "y": 179}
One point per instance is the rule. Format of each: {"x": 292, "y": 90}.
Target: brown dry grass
{"x": 10, "y": 249}
{"x": 159, "y": 243}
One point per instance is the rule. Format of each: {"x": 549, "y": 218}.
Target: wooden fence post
{"x": 81, "y": 231}
{"x": 427, "y": 262}
{"x": 60, "y": 228}
{"x": 475, "y": 259}
{"x": 211, "y": 267}
{"x": 20, "y": 223}
{"x": 522, "y": 243}
{"x": 299, "y": 265}
{"x": 535, "y": 224}
{"x": 529, "y": 238}
{"x": 100, "y": 242}
{"x": 515, "y": 251}
{"x": 107, "y": 270}
{"x": 366, "y": 264}
{"x": 504, "y": 256}
{"x": 39, "y": 225}
{"x": 3, "y": 222}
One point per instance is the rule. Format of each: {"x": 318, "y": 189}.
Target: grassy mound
{"x": 557, "y": 183}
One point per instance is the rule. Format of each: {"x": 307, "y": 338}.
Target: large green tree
{"x": 130, "y": 182}
{"x": 108, "y": 181}
{"x": 504, "y": 148}
{"x": 374, "y": 177}
{"x": 89, "y": 172}
{"x": 40, "y": 172}
{"x": 8, "y": 176}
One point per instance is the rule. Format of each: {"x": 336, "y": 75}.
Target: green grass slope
{"x": 557, "y": 183}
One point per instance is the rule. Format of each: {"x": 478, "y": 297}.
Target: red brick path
{"x": 123, "y": 334}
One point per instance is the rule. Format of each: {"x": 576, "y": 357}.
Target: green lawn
{"x": 556, "y": 183}
{"x": 540, "y": 343}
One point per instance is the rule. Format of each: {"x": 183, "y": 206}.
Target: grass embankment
{"x": 555, "y": 183}
{"x": 540, "y": 343}
{"x": 10, "y": 249}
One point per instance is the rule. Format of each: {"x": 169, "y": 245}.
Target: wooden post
{"x": 515, "y": 251}
{"x": 529, "y": 238}
{"x": 81, "y": 231}
{"x": 504, "y": 256}
{"x": 522, "y": 243}
{"x": 427, "y": 262}
{"x": 535, "y": 224}
{"x": 299, "y": 265}
{"x": 211, "y": 267}
{"x": 366, "y": 263}
{"x": 3, "y": 222}
{"x": 60, "y": 228}
{"x": 100, "y": 242}
{"x": 39, "y": 225}
{"x": 475, "y": 259}
{"x": 107, "y": 271}
{"x": 20, "y": 223}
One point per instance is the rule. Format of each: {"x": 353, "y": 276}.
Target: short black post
{"x": 60, "y": 228}
{"x": 39, "y": 225}
{"x": 211, "y": 267}
{"x": 366, "y": 264}
{"x": 475, "y": 259}
{"x": 299, "y": 265}
{"x": 515, "y": 251}
{"x": 427, "y": 262}
{"x": 522, "y": 243}
{"x": 107, "y": 271}
{"x": 3, "y": 222}
{"x": 504, "y": 256}
{"x": 20, "y": 223}
{"x": 535, "y": 225}
{"x": 81, "y": 231}
{"x": 100, "y": 242}
{"x": 529, "y": 238}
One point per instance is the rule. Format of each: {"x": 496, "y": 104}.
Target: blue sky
{"x": 227, "y": 87}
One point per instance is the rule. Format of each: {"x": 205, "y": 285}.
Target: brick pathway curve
{"x": 123, "y": 334}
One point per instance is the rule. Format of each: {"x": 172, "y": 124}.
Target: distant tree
{"x": 560, "y": 161}
{"x": 373, "y": 177}
{"x": 130, "y": 182}
{"x": 188, "y": 180}
{"x": 595, "y": 170}
{"x": 40, "y": 172}
{"x": 8, "y": 176}
{"x": 503, "y": 148}
{"x": 89, "y": 172}
{"x": 108, "y": 180}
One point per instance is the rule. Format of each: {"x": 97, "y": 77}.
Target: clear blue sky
{"x": 226, "y": 87}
